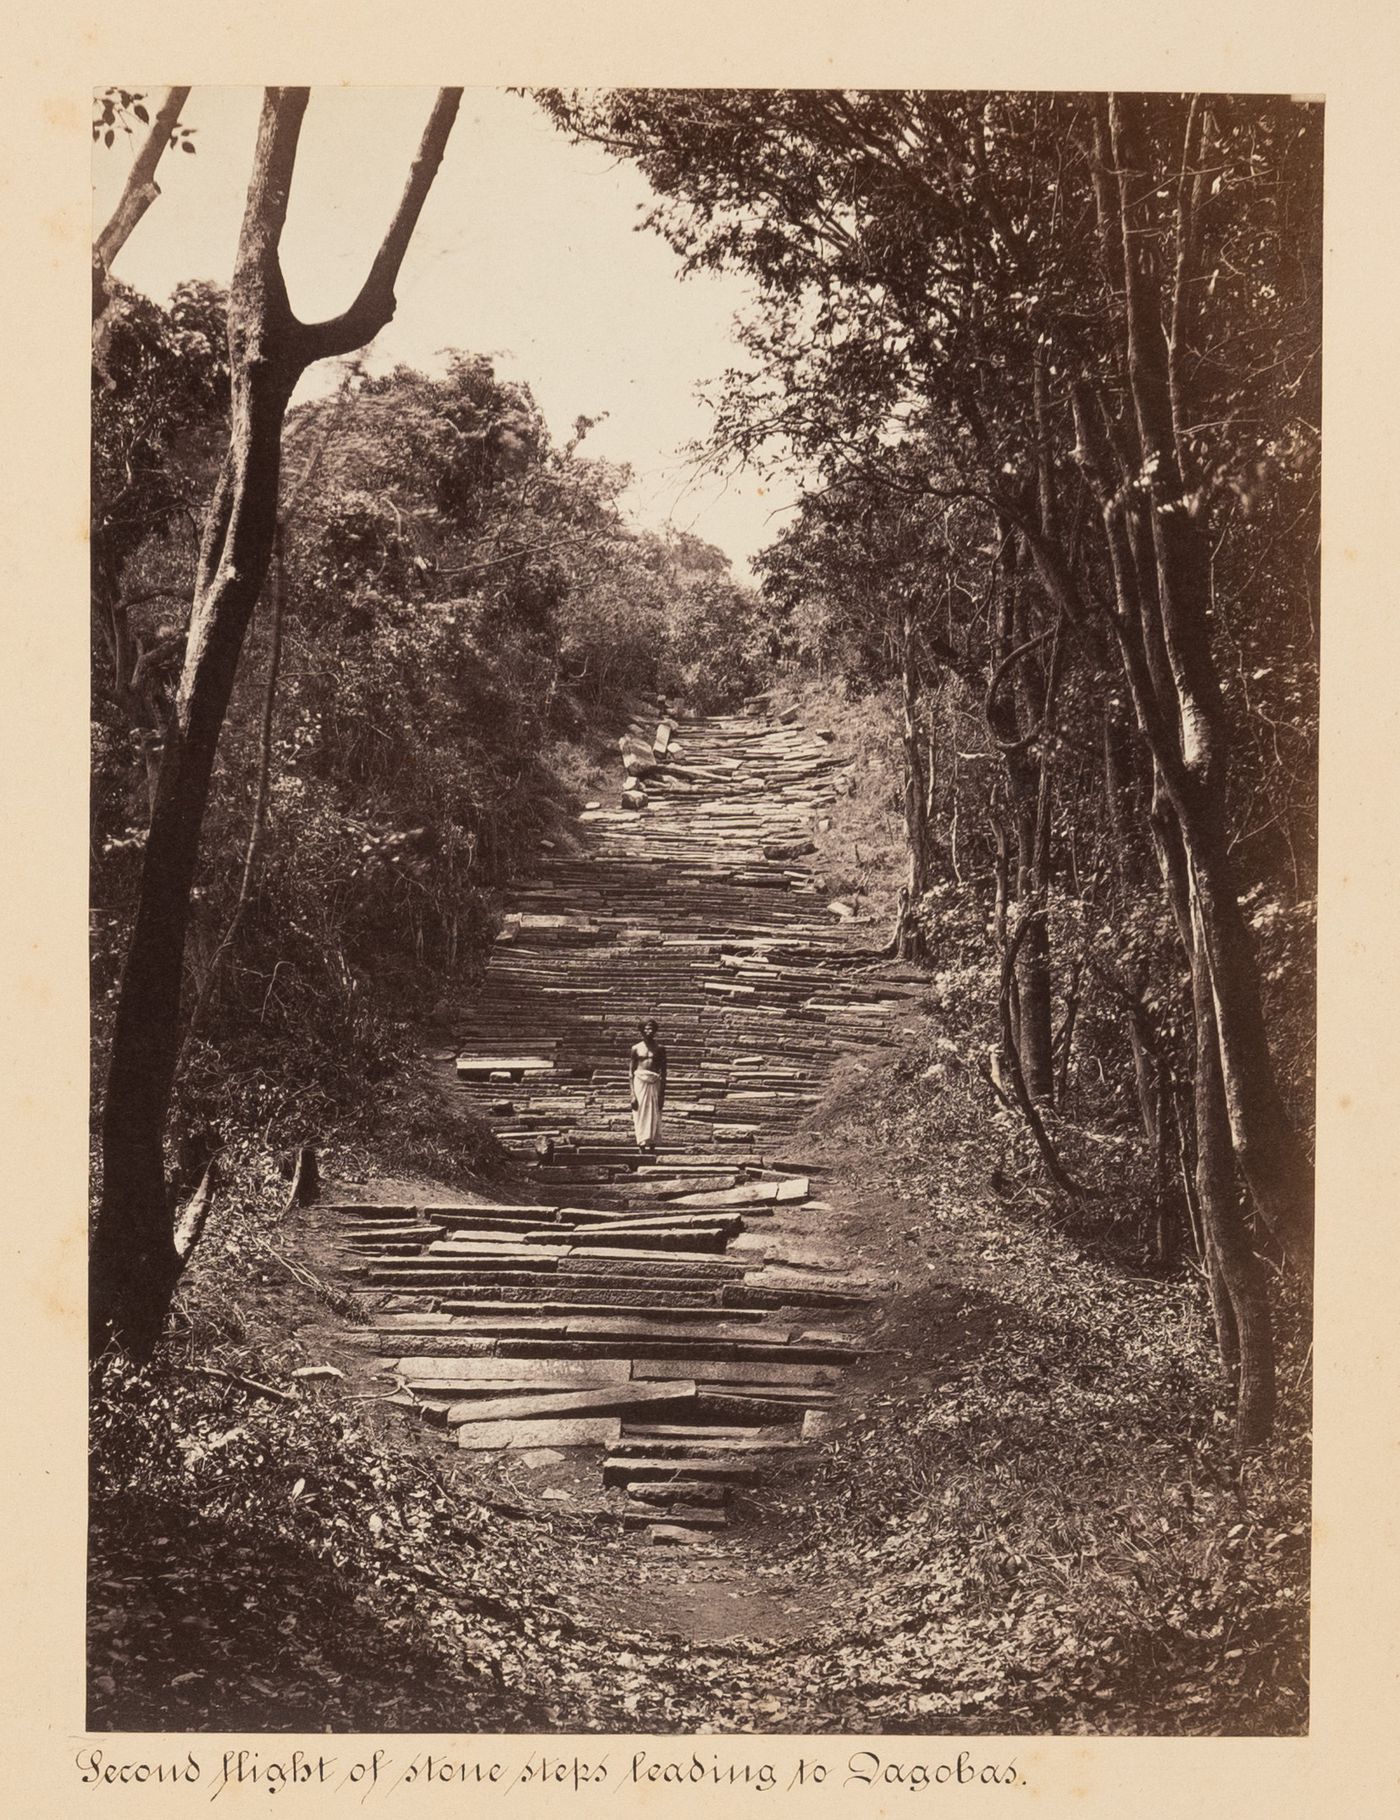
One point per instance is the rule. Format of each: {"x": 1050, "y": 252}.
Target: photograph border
{"x": 1348, "y": 56}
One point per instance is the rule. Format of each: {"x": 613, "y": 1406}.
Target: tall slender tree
{"x": 136, "y": 1257}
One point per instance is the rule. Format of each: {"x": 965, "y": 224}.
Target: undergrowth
{"x": 1042, "y": 1509}
{"x": 860, "y": 850}
{"x": 259, "y": 1565}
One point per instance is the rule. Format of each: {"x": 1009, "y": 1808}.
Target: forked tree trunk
{"x": 1015, "y": 1074}
{"x": 135, "y": 1260}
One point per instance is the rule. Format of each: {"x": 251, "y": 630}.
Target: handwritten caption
{"x": 388, "y": 1774}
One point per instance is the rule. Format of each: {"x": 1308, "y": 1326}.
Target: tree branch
{"x": 375, "y": 305}
{"x": 251, "y": 1385}
{"x": 138, "y": 193}
{"x": 999, "y": 676}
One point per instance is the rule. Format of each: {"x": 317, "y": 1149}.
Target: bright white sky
{"x": 526, "y": 250}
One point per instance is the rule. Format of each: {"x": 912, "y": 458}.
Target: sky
{"x": 527, "y": 249}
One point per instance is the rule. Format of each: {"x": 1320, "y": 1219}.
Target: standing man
{"x": 648, "y": 1078}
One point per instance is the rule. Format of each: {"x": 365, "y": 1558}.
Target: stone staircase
{"x": 678, "y": 1310}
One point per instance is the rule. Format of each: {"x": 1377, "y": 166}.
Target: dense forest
{"x": 1046, "y": 369}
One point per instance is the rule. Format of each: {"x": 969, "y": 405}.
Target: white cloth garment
{"x": 646, "y": 1090}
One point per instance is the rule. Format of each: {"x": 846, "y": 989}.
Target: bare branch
{"x": 138, "y": 193}
{"x": 375, "y": 305}
{"x": 249, "y": 1384}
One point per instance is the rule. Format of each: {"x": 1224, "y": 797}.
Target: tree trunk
{"x": 1238, "y": 1288}
{"x": 135, "y": 1262}
{"x": 1015, "y": 716}
{"x": 909, "y": 941}
{"x": 262, "y": 791}
{"x": 1037, "y": 1009}
{"x": 1168, "y": 1225}
{"x": 1015, "y": 1072}
{"x": 1265, "y": 1143}
{"x": 1064, "y": 1042}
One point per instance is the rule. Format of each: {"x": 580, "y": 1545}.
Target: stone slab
{"x": 621, "y": 1471}
{"x": 439, "y": 1395}
{"x": 579, "y": 1431}
{"x": 667, "y": 1491}
{"x": 737, "y": 1371}
{"x": 693, "y": 1516}
{"x": 608, "y": 1400}
{"x": 559, "y": 1372}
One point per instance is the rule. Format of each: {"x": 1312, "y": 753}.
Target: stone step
{"x": 749, "y": 1194}
{"x": 643, "y": 1228}
{"x": 636, "y": 1243}
{"x": 626, "y": 1470}
{"x": 647, "y": 1347}
{"x": 693, "y": 1517}
{"x": 436, "y": 1343}
{"x": 498, "y": 1219}
{"x": 451, "y": 1371}
{"x": 661, "y": 1187}
{"x": 646, "y": 1429}
{"x": 585, "y": 1298}
{"x": 644, "y": 1218}
{"x": 700, "y": 1449}
{"x": 700, "y": 1316}
{"x": 561, "y": 1431}
{"x": 425, "y": 1275}
{"x": 660, "y": 1492}
{"x": 759, "y": 1405}
{"x": 721, "y": 1269}
{"x": 488, "y": 1283}
{"x": 761, "y": 1374}
{"x": 488, "y": 1243}
{"x": 655, "y": 1288}
{"x": 675, "y": 1535}
{"x": 705, "y": 1328}
{"x": 397, "y": 1213}
{"x": 382, "y": 1232}
{"x": 747, "y": 1295}
{"x": 615, "y": 1399}
{"x": 437, "y": 1395}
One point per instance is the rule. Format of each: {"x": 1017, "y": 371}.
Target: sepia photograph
{"x": 703, "y": 841}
